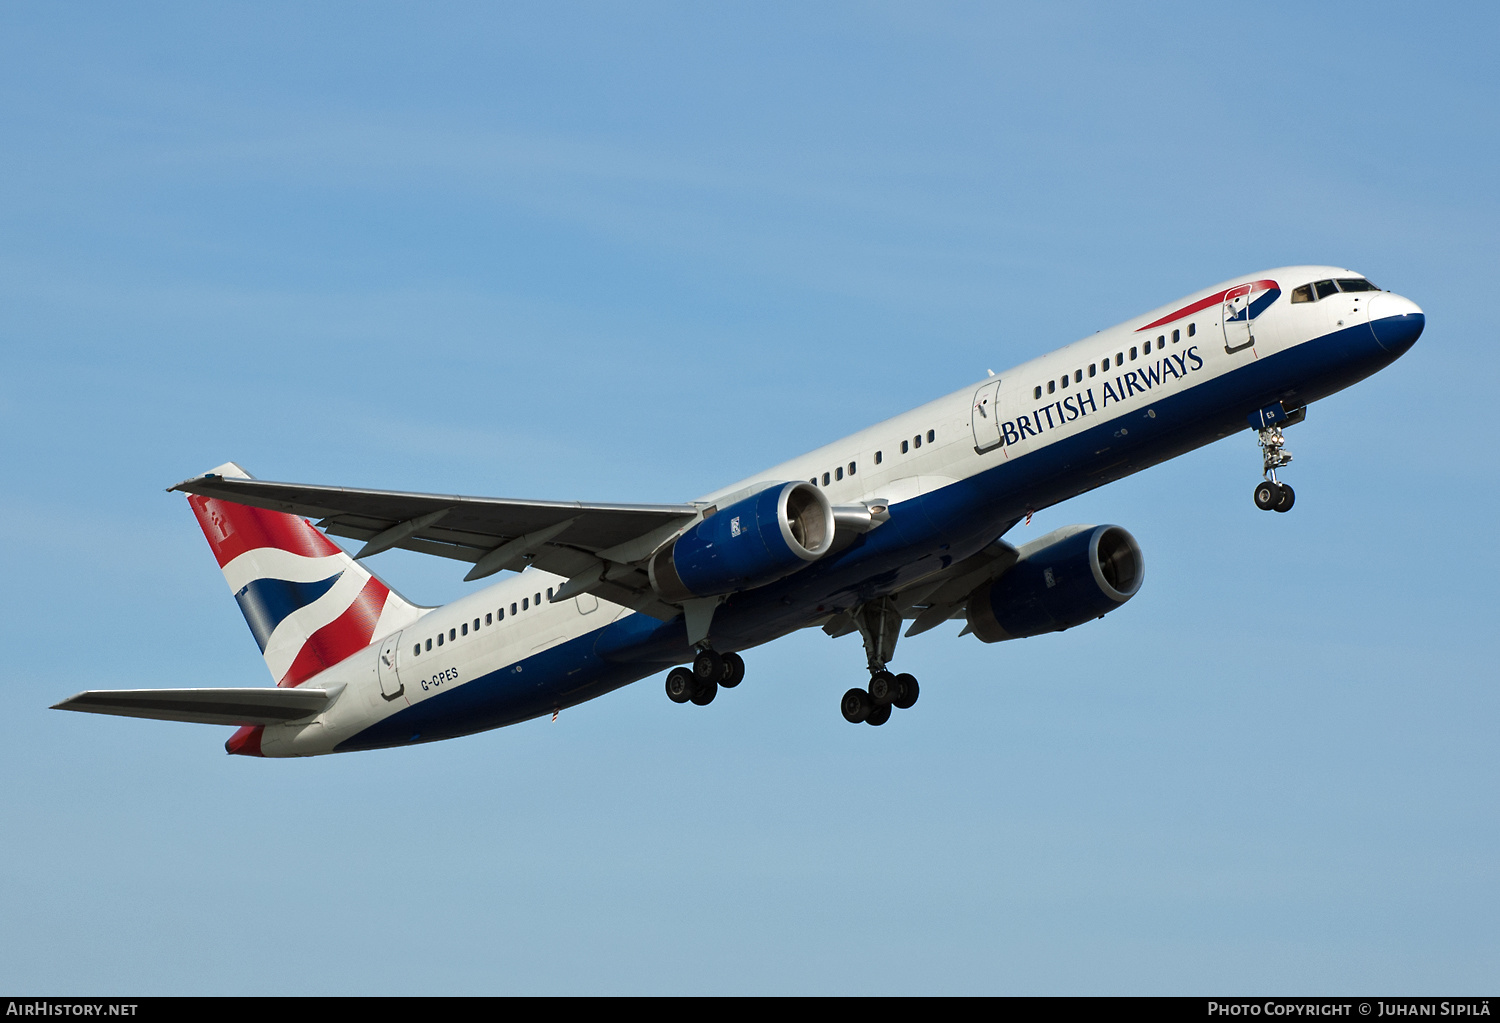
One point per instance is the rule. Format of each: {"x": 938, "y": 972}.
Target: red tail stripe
{"x": 232, "y": 529}
{"x": 347, "y": 634}
{"x": 246, "y": 741}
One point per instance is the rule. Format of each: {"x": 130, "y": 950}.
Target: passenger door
{"x": 390, "y": 680}
{"x": 1235, "y": 315}
{"x": 986, "y": 415}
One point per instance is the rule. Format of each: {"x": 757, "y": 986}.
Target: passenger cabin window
{"x": 838, "y": 473}
{"x": 1093, "y": 369}
{"x": 1132, "y": 353}
{"x": 466, "y": 628}
{"x": 1192, "y": 329}
{"x": 500, "y": 615}
{"x": 1051, "y": 386}
{"x": 879, "y": 457}
{"x": 1065, "y": 381}
{"x": 931, "y": 436}
{"x": 416, "y": 651}
{"x": 1078, "y": 375}
{"x": 452, "y": 635}
{"x": 1038, "y": 392}
{"x": 513, "y": 609}
{"x": 525, "y": 603}
{"x": 440, "y": 639}
{"x": 488, "y": 618}
{"x": 906, "y": 444}
{"x": 851, "y": 468}
{"x": 917, "y": 440}
{"x": 1176, "y": 336}
{"x": 429, "y": 644}
{"x": 825, "y": 479}
{"x": 1119, "y": 358}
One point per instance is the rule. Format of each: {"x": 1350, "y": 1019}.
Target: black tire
{"x": 680, "y": 685}
{"x": 1285, "y": 499}
{"x": 909, "y": 691}
{"x": 708, "y": 666}
{"x": 1266, "y": 494}
{"x": 884, "y": 688}
{"x": 705, "y": 692}
{"x": 734, "y": 671}
{"x": 880, "y": 715}
{"x": 856, "y": 706}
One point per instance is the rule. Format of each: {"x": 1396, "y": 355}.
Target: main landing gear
{"x": 700, "y": 683}
{"x": 1272, "y": 494}
{"x": 879, "y": 623}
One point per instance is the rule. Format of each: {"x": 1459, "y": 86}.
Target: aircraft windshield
{"x": 1322, "y": 289}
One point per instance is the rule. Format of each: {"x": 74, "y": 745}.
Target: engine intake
{"x": 1061, "y": 580}
{"x": 750, "y": 543}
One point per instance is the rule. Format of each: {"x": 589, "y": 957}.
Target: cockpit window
{"x": 1356, "y": 284}
{"x": 1302, "y": 294}
{"x": 1325, "y": 288}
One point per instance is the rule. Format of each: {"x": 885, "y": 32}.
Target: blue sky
{"x": 631, "y": 253}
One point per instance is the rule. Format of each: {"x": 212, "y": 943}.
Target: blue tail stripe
{"x": 265, "y": 603}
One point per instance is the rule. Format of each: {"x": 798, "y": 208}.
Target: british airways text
{"x": 1082, "y": 403}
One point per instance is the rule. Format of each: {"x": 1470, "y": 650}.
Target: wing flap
{"x": 257, "y": 705}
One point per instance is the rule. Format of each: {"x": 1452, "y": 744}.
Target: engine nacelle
{"x": 1061, "y": 580}
{"x": 750, "y": 543}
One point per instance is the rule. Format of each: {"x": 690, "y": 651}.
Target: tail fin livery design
{"x": 308, "y": 603}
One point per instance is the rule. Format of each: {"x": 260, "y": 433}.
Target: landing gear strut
{"x": 879, "y": 623}
{"x": 1272, "y": 494}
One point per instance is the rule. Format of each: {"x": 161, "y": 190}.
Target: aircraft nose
{"x": 1396, "y": 322}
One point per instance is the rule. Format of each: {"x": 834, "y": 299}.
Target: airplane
{"x": 901, "y": 522}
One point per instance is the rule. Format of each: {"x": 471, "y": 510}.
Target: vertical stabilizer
{"x": 307, "y": 602}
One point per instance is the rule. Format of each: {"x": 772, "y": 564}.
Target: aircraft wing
{"x": 569, "y": 538}
{"x": 259, "y": 705}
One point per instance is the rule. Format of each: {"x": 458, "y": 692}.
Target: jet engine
{"x": 1060, "y": 580}
{"x": 752, "y": 542}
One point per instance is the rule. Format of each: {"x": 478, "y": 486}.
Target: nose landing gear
{"x": 1272, "y": 494}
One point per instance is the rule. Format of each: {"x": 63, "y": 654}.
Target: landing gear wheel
{"x": 704, "y": 693}
{"x": 880, "y": 715}
{"x": 1285, "y": 499}
{"x": 680, "y": 685}
{"x": 734, "y": 671}
{"x": 884, "y": 689}
{"x": 908, "y": 690}
{"x": 856, "y": 706}
{"x": 1266, "y": 495}
{"x": 708, "y": 666}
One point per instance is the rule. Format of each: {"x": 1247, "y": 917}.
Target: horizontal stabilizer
{"x": 259, "y": 705}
